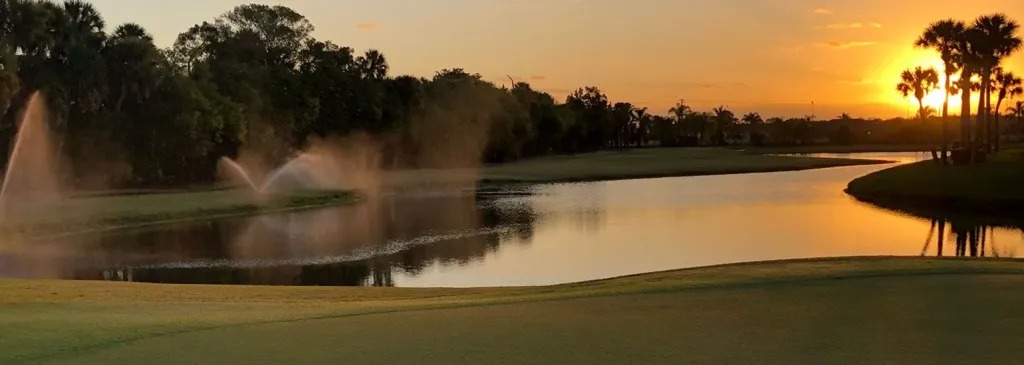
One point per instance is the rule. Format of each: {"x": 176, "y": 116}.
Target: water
{"x": 521, "y": 235}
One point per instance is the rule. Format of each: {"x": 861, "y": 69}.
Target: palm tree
{"x": 752, "y": 119}
{"x": 641, "y": 119}
{"x": 945, "y": 36}
{"x": 918, "y": 82}
{"x": 927, "y": 112}
{"x": 993, "y": 38}
{"x": 724, "y": 118}
{"x": 683, "y": 127}
{"x": 1010, "y": 86}
{"x": 132, "y": 60}
{"x": 373, "y": 65}
{"x": 1017, "y": 113}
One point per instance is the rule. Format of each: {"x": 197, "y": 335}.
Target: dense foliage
{"x": 256, "y": 78}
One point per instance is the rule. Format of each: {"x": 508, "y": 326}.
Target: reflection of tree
{"x": 356, "y": 245}
{"x": 972, "y": 239}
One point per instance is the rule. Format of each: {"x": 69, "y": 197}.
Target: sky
{"x": 785, "y": 58}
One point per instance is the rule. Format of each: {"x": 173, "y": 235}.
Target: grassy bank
{"x": 118, "y": 211}
{"x": 629, "y": 164}
{"x": 856, "y": 148}
{"x": 657, "y": 162}
{"x": 993, "y": 187}
{"x": 795, "y": 311}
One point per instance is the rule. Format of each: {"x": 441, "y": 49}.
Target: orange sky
{"x": 771, "y": 56}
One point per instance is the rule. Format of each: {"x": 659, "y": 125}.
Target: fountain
{"x": 32, "y": 171}
{"x": 239, "y": 172}
{"x": 303, "y": 171}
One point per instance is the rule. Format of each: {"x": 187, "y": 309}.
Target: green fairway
{"x": 119, "y": 211}
{"x": 657, "y": 162}
{"x": 856, "y": 148}
{"x": 660, "y": 162}
{"x": 832, "y": 310}
{"x": 992, "y": 186}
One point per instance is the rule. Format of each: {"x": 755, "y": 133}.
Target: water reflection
{"x": 357, "y": 245}
{"x": 520, "y": 235}
{"x": 969, "y": 238}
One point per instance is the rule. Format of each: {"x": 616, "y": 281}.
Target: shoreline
{"x": 984, "y": 192}
{"x": 843, "y": 163}
{"x": 715, "y": 276}
{"x": 79, "y": 216}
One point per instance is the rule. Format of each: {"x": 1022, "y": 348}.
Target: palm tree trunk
{"x": 986, "y": 102}
{"x": 945, "y": 122}
{"x": 995, "y": 126}
{"x": 965, "y": 110}
{"x": 979, "y": 124}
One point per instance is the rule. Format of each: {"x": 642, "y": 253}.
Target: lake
{"x": 519, "y": 235}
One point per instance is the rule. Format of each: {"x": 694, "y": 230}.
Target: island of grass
{"x": 851, "y": 310}
{"x": 992, "y": 188}
{"x": 104, "y": 212}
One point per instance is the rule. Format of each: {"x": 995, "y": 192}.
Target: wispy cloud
{"x": 368, "y": 26}
{"x": 845, "y": 45}
{"x": 525, "y": 78}
{"x": 856, "y": 25}
{"x": 823, "y": 11}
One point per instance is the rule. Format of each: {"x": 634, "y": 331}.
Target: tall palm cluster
{"x": 974, "y": 54}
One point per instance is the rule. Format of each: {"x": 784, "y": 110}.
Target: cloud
{"x": 823, "y": 11}
{"x": 368, "y": 27}
{"x": 525, "y": 78}
{"x": 857, "y": 25}
{"x": 845, "y": 45}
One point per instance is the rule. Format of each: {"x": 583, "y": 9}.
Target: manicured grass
{"x": 655, "y": 162}
{"x": 855, "y": 310}
{"x": 856, "y": 148}
{"x": 994, "y": 186}
{"x": 118, "y": 211}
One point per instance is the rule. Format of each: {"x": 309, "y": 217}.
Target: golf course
{"x": 851, "y": 310}
{"x": 114, "y": 210}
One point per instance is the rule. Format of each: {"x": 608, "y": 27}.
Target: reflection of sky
{"x": 663, "y": 224}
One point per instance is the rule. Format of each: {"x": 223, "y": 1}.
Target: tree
{"x": 593, "y": 122}
{"x": 918, "y": 82}
{"x": 1010, "y": 86}
{"x": 724, "y": 119}
{"x": 927, "y": 112}
{"x": 622, "y": 116}
{"x": 752, "y": 119}
{"x": 372, "y": 65}
{"x": 1017, "y": 113}
{"x": 945, "y": 36}
{"x": 992, "y": 38}
{"x": 641, "y": 125}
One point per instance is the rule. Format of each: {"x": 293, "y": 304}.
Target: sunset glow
{"x": 771, "y": 57}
